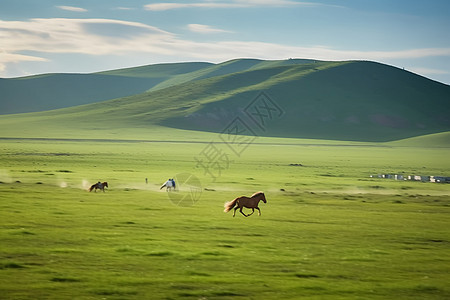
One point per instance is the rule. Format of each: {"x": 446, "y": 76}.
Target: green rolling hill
{"x": 52, "y": 91}
{"x": 354, "y": 100}
{"x": 349, "y": 101}
{"x": 440, "y": 140}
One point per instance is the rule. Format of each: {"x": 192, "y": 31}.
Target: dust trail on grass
{"x": 4, "y": 176}
{"x": 85, "y": 184}
{"x": 63, "y": 184}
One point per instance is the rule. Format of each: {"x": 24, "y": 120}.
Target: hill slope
{"x": 437, "y": 140}
{"x": 360, "y": 101}
{"x": 52, "y": 91}
{"x": 347, "y": 101}
{"x": 64, "y": 90}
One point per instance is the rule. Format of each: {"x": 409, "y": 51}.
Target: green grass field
{"x": 328, "y": 230}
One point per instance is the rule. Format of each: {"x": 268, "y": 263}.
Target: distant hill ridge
{"x": 59, "y": 90}
{"x": 341, "y": 100}
{"x": 352, "y": 100}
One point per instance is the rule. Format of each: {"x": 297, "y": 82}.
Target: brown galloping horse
{"x": 248, "y": 202}
{"x": 98, "y": 186}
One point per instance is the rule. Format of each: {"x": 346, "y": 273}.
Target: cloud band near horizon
{"x": 116, "y": 37}
{"x": 72, "y": 8}
{"x": 231, "y": 4}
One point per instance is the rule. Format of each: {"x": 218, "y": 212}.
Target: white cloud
{"x": 200, "y": 28}
{"x": 86, "y": 36}
{"x": 233, "y": 4}
{"x": 169, "y": 6}
{"x": 15, "y": 58}
{"x": 121, "y": 38}
{"x": 124, "y": 8}
{"x": 72, "y": 8}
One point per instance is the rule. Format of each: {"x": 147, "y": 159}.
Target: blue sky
{"x": 93, "y": 35}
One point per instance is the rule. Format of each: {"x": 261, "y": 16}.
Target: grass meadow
{"x": 327, "y": 231}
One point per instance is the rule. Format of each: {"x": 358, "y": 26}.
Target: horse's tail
{"x": 91, "y": 188}
{"x": 229, "y": 205}
{"x": 162, "y": 186}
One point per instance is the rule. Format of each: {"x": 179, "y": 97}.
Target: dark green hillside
{"x": 350, "y": 101}
{"x": 227, "y": 68}
{"x": 52, "y": 91}
{"x": 360, "y": 101}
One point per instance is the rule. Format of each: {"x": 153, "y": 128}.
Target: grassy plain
{"x": 328, "y": 231}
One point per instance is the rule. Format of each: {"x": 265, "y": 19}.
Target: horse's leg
{"x": 259, "y": 211}
{"x": 243, "y": 212}
{"x": 234, "y": 211}
{"x": 253, "y": 210}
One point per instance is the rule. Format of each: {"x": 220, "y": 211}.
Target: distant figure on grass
{"x": 243, "y": 201}
{"x": 169, "y": 184}
{"x": 98, "y": 186}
